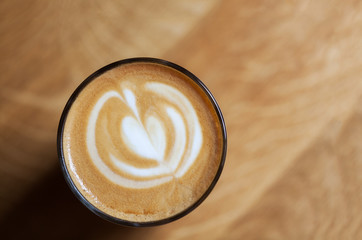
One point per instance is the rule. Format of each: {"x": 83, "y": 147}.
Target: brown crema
{"x": 131, "y": 142}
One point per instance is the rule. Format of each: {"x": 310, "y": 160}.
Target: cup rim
{"x": 64, "y": 168}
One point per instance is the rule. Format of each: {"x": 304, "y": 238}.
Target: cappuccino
{"x": 142, "y": 141}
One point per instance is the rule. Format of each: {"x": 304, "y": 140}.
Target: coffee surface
{"x": 142, "y": 142}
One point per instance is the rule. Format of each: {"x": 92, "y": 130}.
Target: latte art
{"x": 148, "y": 138}
{"x": 141, "y": 142}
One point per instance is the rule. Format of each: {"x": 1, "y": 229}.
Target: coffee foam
{"x": 142, "y": 142}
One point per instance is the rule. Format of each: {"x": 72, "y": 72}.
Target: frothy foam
{"x": 142, "y": 142}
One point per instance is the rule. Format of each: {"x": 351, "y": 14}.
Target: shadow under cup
{"x": 67, "y": 174}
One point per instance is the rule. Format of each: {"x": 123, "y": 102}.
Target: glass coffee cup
{"x": 142, "y": 142}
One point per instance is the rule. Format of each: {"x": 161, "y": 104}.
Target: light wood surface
{"x": 287, "y": 76}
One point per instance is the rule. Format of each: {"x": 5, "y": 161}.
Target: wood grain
{"x": 288, "y": 78}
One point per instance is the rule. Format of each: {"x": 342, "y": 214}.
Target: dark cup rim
{"x": 68, "y": 178}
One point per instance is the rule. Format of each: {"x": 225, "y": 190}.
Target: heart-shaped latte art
{"x": 149, "y": 139}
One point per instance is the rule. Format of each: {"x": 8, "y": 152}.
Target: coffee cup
{"x": 142, "y": 142}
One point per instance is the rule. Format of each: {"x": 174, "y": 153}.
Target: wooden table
{"x": 287, "y": 76}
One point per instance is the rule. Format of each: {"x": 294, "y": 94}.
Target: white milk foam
{"x": 149, "y": 140}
